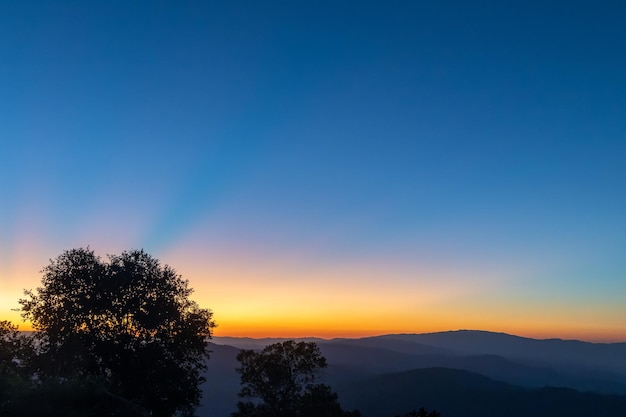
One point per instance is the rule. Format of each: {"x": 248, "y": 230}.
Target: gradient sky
{"x": 327, "y": 168}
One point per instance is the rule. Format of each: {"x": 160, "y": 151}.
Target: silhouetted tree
{"x": 128, "y": 324}
{"x": 279, "y": 381}
{"x": 421, "y": 413}
{"x": 76, "y": 397}
{"x": 319, "y": 401}
{"x": 12, "y": 349}
{"x": 16, "y": 352}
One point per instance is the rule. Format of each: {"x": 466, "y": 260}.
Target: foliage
{"x": 319, "y": 401}
{"x": 421, "y": 413}
{"x": 128, "y": 323}
{"x": 13, "y": 349}
{"x": 280, "y": 380}
{"x": 83, "y": 397}
{"x": 15, "y": 378}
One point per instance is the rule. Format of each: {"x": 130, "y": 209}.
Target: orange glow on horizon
{"x": 268, "y": 297}
{"x": 286, "y": 331}
{"x": 296, "y": 329}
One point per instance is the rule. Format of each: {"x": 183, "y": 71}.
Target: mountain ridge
{"x": 543, "y": 372}
{"x": 459, "y": 393}
{"x": 269, "y": 340}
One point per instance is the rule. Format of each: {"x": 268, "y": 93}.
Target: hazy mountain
{"x": 354, "y": 361}
{"x": 608, "y": 356}
{"x": 394, "y": 344}
{"x": 457, "y": 393}
{"x": 252, "y": 343}
{"x": 495, "y": 368}
{"x": 219, "y": 392}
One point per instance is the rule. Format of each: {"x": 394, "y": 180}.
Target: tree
{"x": 13, "y": 349}
{"x": 280, "y": 380}
{"x": 128, "y": 323}
{"x": 12, "y": 382}
{"x": 421, "y": 413}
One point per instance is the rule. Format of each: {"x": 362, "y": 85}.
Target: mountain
{"x": 442, "y": 370}
{"x": 252, "y": 343}
{"x": 219, "y": 392}
{"x": 355, "y": 361}
{"x": 456, "y": 393}
{"x": 608, "y": 356}
{"x": 393, "y": 344}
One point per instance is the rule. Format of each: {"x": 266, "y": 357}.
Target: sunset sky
{"x": 327, "y": 168}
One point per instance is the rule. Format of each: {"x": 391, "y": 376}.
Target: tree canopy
{"x": 13, "y": 381}
{"x": 129, "y": 323}
{"x": 279, "y": 381}
{"x": 12, "y": 350}
{"x": 422, "y": 412}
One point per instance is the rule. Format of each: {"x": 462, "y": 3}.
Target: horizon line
{"x": 594, "y": 341}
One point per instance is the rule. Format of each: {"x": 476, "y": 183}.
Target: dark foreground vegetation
{"x": 122, "y": 338}
{"x": 280, "y": 381}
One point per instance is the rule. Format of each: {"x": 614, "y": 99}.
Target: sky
{"x": 327, "y": 168}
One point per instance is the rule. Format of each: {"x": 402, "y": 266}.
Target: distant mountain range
{"x": 460, "y": 373}
{"x": 457, "y": 393}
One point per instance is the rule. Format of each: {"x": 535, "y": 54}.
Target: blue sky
{"x": 482, "y": 142}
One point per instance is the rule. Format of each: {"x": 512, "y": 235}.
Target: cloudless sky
{"x": 328, "y": 168}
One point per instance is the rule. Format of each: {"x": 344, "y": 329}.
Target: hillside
{"x": 465, "y": 373}
{"x": 457, "y": 393}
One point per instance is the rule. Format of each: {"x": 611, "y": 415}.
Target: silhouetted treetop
{"x": 279, "y": 381}
{"x": 129, "y": 321}
{"x": 422, "y": 412}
